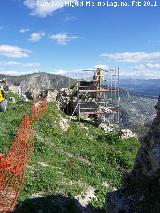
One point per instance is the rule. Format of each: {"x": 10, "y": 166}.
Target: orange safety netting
{"x": 13, "y": 165}
{"x": 38, "y": 108}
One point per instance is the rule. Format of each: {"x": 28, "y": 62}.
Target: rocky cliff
{"x": 140, "y": 189}
{"x": 37, "y": 82}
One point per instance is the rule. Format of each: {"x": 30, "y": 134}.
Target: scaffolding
{"x": 99, "y": 97}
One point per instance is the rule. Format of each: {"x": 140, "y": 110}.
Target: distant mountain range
{"x": 146, "y": 88}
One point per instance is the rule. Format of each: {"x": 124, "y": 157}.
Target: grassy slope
{"x": 69, "y": 162}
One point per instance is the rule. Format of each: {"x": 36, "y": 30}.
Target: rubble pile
{"x": 140, "y": 189}
{"x": 107, "y": 128}
{"x": 127, "y": 133}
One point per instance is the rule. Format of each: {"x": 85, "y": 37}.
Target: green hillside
{"x": 68, "y": 161}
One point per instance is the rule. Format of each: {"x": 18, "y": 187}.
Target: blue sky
{"x": 65, "y": 40}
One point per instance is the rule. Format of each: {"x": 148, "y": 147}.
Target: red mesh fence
{"x": 38, "y": 108}
{"x": 13, "y": 165}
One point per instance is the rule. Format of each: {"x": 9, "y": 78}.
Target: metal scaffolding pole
{"x": 98, "y": 96}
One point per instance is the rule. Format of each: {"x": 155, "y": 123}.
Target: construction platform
{"x": 98, "y": 97}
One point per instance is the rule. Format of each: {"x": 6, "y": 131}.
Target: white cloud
{"x": 149, "y": 70}
{"x": 43, "y": 8}
{"x": 77, "y": 74}
{"x": 30, "y": 64}
{"x": 14, "y": 63}
{"x": 83, "y": 73}
{"x": 140, "y": 67}
{"x": 133, "y": 56}
{"x": 143, "y": 71}
{"x": 137, "y": 74}
{"x": 102, "y": 66}
{"x": 151, "y": 66}
{"x": 13, "y": 51}
{"x": 9, "y": 63}
{"x": 35, "y": 37}
{"x": 62, "y": 38}
{"x": 15, "y": 72}
{"x": 24, "y": 30}
{"x": 9, "y": 72}
{"x": 61, "y": 72}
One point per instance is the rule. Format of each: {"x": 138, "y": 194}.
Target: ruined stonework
{"x": 140, "y": 189}
{"x": 64, "y": 97}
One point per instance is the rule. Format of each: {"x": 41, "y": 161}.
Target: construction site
{"x": 95, "y": 95}
{"x": 95, "y": 98}
{"x": 98, "y": 97}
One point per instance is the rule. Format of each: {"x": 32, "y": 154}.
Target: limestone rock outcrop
{"x": 64, "y": 97}
{"x": 52, "y": 95}
{"x": 127, "y": 133}
{"x": 140, "y": 189}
